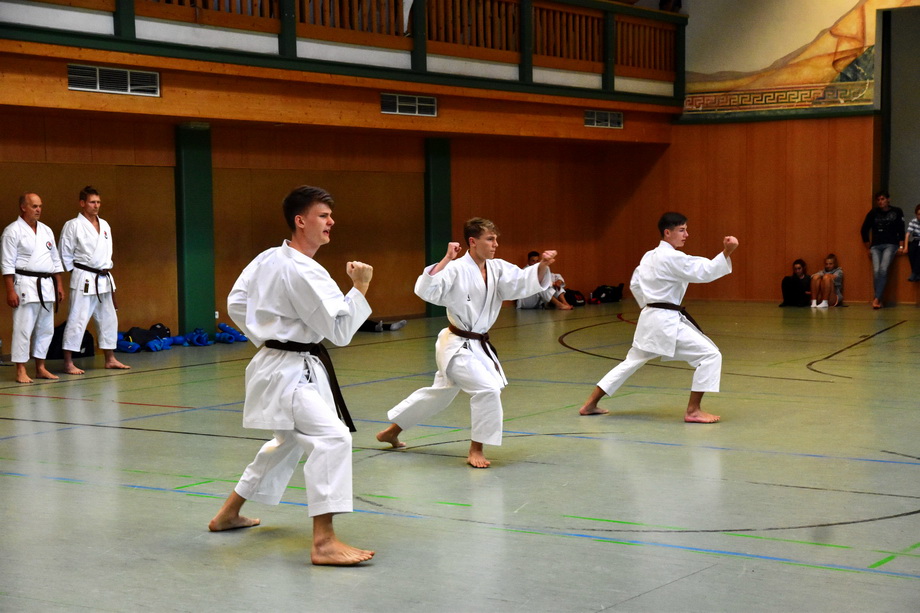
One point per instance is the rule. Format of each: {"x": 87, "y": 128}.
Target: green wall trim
{"x": 194, "y": 228}
{"x": 171, "y": 50}
{"x": 437, "y": 207}
{"x": 608, "y": 78}
{"x": 680, "y": 61}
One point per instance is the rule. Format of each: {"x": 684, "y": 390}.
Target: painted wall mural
{"x": 835, "y": 70}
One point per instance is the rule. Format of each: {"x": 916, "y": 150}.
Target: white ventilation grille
{"x": 112, "y": 80}
{"x": 400, "y": 104}
{"x": 603, "y": 119}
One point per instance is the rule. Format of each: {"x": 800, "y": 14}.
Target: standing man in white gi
{"x": 665, "y": 329}
{"x": 31, "y": 269}
{"x": 472, "y": 289}
{"x": 86, "y": 250}
{"x": 286, "y": 303}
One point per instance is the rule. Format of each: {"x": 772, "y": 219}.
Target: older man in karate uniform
{"x": 86, "y": 251}
{"x": 472, "y": 288}
{"x": 286, "y": 303}
{"x": 31, "y": 269}
{"x": 665, "y": 329}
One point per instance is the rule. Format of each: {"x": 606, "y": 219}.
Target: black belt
{"x": 676, "y": 307}
{"x": 39, "y": 276}
{"x": 483, "y": 339}
{"x": 99, "y": 273}
{"x": 318, "y": 350}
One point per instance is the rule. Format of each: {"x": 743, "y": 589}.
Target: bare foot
{"x": 592, "y": 409}
{"x": 333, "y": 552}
{"x": 477, "y": 460}
{"x": 113, "y": 363}
{"x": 221, "y": 523}
{"x": 567, "y": 307}
{"x": 391, "y": 436}
{"x": 44, "y": 373}
{"x": 700, "y": 417}
{"x": 70, "y": 369}
{"x": 23, "y": 378}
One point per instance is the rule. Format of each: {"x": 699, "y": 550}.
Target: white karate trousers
{"x": 464, "y": 372}
{"x": 33, "y": 328}
{"x": 320, "y": 434}
{"x": 82, "y": 308}
{"x": 693, "y": 347}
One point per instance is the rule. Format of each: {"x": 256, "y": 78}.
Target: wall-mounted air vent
{"x": 112, "y": 80}
{"x": 401, "y": 104}
{"x": 603, "y": 119}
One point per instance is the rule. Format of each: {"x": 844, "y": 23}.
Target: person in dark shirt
{"x": 797, "y": 286}
{"x": 883, "y": 234}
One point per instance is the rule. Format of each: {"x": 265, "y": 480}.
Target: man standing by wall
{"x": 883, "y": 234}
{"x": 31, "y": 269}
{"x": 86, "y": 250}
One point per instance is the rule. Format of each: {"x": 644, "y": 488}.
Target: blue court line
{"x": 724, "y": 552}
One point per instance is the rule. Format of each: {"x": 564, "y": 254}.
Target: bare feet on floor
{"x": 592, "y": 409}
{"x": 476, "y": 459}
{"x": 700, "y": 417}
{"x": 334, "y": 552}
{"x": 116, "y": 364}
{"x": 70, "y": 369}
{"x": 44, "y": 373}
{"x": 234, "y": 522}
{"x": 391, "y": 436}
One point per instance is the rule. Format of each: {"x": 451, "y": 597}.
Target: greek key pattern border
{"x": 798, "y": 97}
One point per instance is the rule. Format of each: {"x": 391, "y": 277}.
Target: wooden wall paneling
{"x": 70, "y": 141}
{"x": 764, "y": 249}
{"x": 143, "y": 220}
{"x": 154, "y": 143}
{"x": 236, "y": 216}
{"x": 807, "y": 204}
{"x": 22, "y": 137}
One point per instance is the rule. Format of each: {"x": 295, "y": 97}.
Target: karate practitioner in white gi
{"x": 472, "y": 289}
{"x": 86, "y": 250}
{"x": 31, "y": 269}
{"x": 285, "y": 302}
{"x": 665, "y": 330}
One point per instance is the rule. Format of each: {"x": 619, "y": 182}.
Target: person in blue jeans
{"x": 883, "y": 234}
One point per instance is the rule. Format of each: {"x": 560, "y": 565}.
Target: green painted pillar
{"x": 124, "y": 19}
{"x": 194, "y": 227}
{"x": 525, "y": 69}
{"x": 419, "y": 36}
{"x": 437, "y": 206}
{"x": 610, "y": 52}
{"x": 287, "y": 38}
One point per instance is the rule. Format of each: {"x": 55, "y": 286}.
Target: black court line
{"x": 563, "y": 342}
{"x": 75, "y": 424}
{"x": 810, "y": 365}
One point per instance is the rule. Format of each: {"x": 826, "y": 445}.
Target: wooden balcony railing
{"x": 565, "y": 35}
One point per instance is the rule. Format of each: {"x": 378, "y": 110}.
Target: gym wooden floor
{"x": 805, "y": 498}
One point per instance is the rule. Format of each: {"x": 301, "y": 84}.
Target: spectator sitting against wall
{"x": 797, "y": 286}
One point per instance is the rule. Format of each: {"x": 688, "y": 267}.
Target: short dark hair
{"x": 533, "y": 254}
{"x": 831, "y": 256}
{"x": 302, "y": 198}
{"x": 917, "y": 209}
{"x": 670, "y": 220}
{"x": 88, "y": 191}
{"x": 474, "y": 228}
{"x": 881, "y": 192}
{"x": 800, "y": 262}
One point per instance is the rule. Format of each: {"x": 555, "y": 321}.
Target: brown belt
{"x": 483, "y": 339}
{"x": 99, "y": 273}
{"x": 38, "y": 282}
{"x": 676, "y": 307}
{"x": 318, "y": 350}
